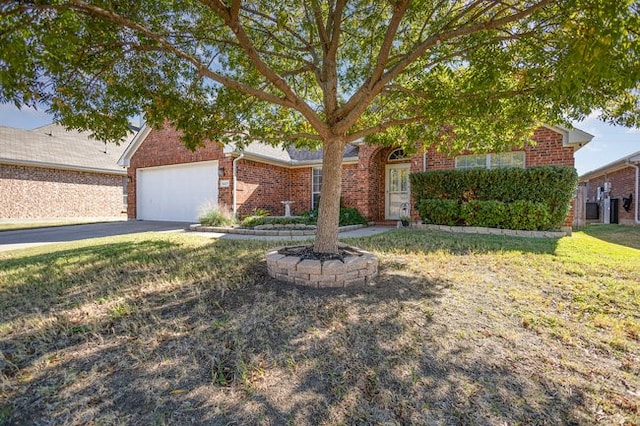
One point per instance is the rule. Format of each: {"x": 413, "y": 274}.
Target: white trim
{"x": 398, "y": 160}
{"x": 387, "y": 198}
{"x": 133, "y": 146}
{"x": 574, "y": 138}
{"x": 312, "y": 192}
{"x": 637, "y": 184}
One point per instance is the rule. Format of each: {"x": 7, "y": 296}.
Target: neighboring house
{"x": 169, "y": 182}
{"x": 610, "y": 194}
{"x": 49, "y": 172}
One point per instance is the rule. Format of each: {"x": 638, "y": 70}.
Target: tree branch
{"x": 382, "y": 127}
{"x": 353, "y": 109}
{"x": 276, "y": 80}
{"x": 113, "y": 17}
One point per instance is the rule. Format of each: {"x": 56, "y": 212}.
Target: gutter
{"x": 637, "y": 183}
{"x": 292, "y": 164}
{"x": 235, "y": 184}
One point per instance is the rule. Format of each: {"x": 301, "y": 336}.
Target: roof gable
{"x": 618, "y": 164}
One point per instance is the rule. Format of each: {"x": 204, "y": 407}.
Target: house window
{"x": 474, "y": 161}
{"x": 507, "y": 159}
{"x": 397, "y": 155}
{"x": 316, "y": 185}
{"x": 491, "y": 161}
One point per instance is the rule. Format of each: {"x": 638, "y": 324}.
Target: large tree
{"x": 473, "y": 74}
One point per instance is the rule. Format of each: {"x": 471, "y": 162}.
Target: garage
{"x": 176, "y": 192}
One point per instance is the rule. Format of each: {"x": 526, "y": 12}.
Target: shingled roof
{"x": 290, "y": 156}
{"x": 55, "y": 147}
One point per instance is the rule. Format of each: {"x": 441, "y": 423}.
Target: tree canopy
{"x": 473, "y": 74}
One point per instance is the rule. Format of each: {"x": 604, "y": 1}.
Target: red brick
{"x": 38, "y": 192}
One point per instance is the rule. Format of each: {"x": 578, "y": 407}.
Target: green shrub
{"x": 528, "y": 215}
{"x": 552, "y": 186}
{"x": 217, "y": 216}
{"x": 351, "y": 216}
{"x": 348, "y": 216}
{"x": 253, "y": 221}
{"x": 260, "y": 212}
{"x": 440, "y": 212}
{"x": 490, "y": 214}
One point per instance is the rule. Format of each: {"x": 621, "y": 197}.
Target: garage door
{"x": 176, "y": 192}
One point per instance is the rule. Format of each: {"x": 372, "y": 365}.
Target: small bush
{"x": 348, "y": 216}
{"x": 440, "y": 212}
{"x": 260, "y": 212}
{"x": 217, "y": 216}
{"x": 351, "y": 216}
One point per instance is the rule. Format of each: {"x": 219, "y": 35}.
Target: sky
{"x": 609, "y": 144}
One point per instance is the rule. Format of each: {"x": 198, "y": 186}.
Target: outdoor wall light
{"x": 220, "y": 171}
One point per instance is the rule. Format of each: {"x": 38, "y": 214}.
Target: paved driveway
{"x": 11, "y": 240}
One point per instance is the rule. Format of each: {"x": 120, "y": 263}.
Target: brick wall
{"x": 40, "y": 193}
{"x": 163, "y": 147}
{"x": 363, "y": 185}
{"x": 546, "y": 150}
{"x": 262, "y": 186}
{"x": 622, "y": 184}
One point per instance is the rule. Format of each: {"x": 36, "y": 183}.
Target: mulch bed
{"x": 306, "y": 252}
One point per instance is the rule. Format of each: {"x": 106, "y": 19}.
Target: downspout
{"x": 235, "y": 184}
{"x": 424, "y": 161}
{"x": 637, "y": 183}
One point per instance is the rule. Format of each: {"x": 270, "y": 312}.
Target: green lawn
{"x": 458, "y": 329}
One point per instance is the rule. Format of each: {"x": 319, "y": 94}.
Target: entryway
{"x": 397, "y": 191}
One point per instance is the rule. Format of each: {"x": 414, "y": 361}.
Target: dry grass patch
{"x": 458, "y": 329}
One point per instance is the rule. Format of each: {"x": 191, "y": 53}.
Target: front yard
{"x": 458, "y": 329}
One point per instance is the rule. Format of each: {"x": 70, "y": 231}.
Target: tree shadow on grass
{"x": 208, "y": 338}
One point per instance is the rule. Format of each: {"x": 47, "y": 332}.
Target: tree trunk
{"x": 329, "y": 210}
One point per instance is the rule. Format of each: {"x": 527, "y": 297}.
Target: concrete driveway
{"x": 12, "y": 240}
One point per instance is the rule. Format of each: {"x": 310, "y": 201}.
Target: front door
{"x": 397, "y": 191}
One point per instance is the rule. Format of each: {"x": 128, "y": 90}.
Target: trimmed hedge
{"x": 441, "y": 212}
{"x": 348, "y": 216}
{"x": 252, "y": 221}
{"x": 521, "y": 214}
{"x": 550, "y": 186}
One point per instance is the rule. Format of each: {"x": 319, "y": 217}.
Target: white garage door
{"x": 177, "y": 192}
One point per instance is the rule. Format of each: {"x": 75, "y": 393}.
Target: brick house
{"x": 169, "y": 182}
{"x": 610, "y": 193}
{"x": 49, "y": 172}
